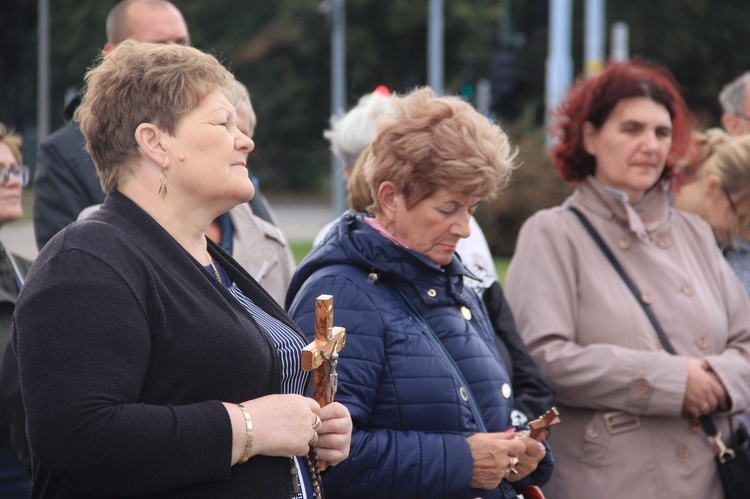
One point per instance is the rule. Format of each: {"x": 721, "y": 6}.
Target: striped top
{"x": 289, "y": 346}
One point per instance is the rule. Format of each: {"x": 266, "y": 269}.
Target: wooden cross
{"x": 321, "y": 355}
{"x": 550, "y": 418}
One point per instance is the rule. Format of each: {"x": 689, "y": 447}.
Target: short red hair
{"x": 593, "y": 98}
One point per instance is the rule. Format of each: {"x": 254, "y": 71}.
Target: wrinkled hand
{"x": 491, "y": 453}
{"x": 335, "y": 433}
{"x": 282, "y": 424}
{"x": 529, "y": 460}
{"x": 704, "y": 392}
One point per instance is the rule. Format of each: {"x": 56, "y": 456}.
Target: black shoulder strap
{"x": 706, "y": 423}
{"x": 630, "y": 284}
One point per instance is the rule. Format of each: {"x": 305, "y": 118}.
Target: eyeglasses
{"x": 20, "y": 171}
{"x": 740, "y": 218}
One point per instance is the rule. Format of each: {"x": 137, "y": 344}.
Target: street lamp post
{"x": 559, "y": 61}
{"x": 43, "y": 104}
{"x": 435, "y": 46}
{"x": 337, "y": 16}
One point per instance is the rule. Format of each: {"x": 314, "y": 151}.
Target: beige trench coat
{"x": 619, "y": 393}
{"x": 262, "y": 250}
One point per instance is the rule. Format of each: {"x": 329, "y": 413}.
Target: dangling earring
{"x": 163, "y": 186}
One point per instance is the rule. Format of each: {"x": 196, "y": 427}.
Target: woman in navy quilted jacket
{"x": 429, "y": 396}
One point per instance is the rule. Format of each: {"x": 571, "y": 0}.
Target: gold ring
{"x": 706, "y": 407}
{"x": 314, "y": 440}
{"x": 316, "y": 424}
{"x": 511, "y": 467}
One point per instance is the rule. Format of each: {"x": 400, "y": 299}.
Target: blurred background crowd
{"x": 282, "y": 50}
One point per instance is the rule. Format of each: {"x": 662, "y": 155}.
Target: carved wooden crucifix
{"x": 321, "y": 355}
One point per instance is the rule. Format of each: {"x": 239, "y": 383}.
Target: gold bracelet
{"x": 249, "y": 437}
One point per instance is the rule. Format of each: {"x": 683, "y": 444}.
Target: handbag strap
{"x": 427, "y": 330}
{"x": 630, "y": 284}
{"x": 706, "y": 423}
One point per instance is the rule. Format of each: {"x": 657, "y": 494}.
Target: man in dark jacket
{"x": 65, "y": 181}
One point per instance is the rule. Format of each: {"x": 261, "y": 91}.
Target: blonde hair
{"x": 425, "y": 142}
{"x": 359, "y": 196}
{"x": 716, "y": 152}
{"x": 13, "y": 141}
{"x": 140, "y": 82}
{"x": 241, "y": 95}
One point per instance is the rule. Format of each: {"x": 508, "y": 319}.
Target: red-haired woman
{"x": 629, "y": 405}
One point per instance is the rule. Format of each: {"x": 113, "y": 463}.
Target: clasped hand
{"x": 283, "y": 426}
{"x": 704, "y": 392}
{"x": 493, "y": 455}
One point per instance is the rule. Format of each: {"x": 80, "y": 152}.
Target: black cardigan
{"x": 126, "y": 348}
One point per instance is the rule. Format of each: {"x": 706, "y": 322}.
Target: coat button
{"x": 431, "y": 293}
{"x": 647, "y": 298}
{"x": 466, "y": 313}
{"x": 464, "y": 394}
{"x": 593, "y": 430}
{"x": 702, "y": 342}
{"x": 642, "y": 387}
{"x": 664, "y": 242}
{"x": 625, "y": 242}
{"x": 683, "y": 451}
{"x": 505, "y": 390}
{"x": 688, "y": 289}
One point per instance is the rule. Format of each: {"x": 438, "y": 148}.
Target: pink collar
{"x": 372, "y": 222}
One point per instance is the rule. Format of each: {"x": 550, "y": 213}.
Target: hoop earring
{"x": 163, "y": 186}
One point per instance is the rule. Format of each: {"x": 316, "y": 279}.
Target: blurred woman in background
{"x": 14, "y": 449}
{"x": 715, "y": 184}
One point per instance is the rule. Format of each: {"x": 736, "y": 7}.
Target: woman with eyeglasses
{"x": 715, "y": 184}
{"x": 14, "y": 480}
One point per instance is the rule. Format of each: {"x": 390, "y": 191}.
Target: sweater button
{"x": 647, "y": 298}
{"x": 624, "y": 242}
{"x": 466, "y": 313}
{"x": 464, "y": 394}
{"x": 431, "y": 293}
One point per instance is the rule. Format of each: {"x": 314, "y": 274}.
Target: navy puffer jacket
{"x": 410, "y": 409}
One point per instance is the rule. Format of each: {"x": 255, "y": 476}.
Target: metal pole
{"x": 338, "y": 96}
{"x": 620, "y": 42}
{"x": 435, "y": 47}
{"x": 594, "y": 40}
{"x": 559, "y": 60}
{"x": 43, "y": 101}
